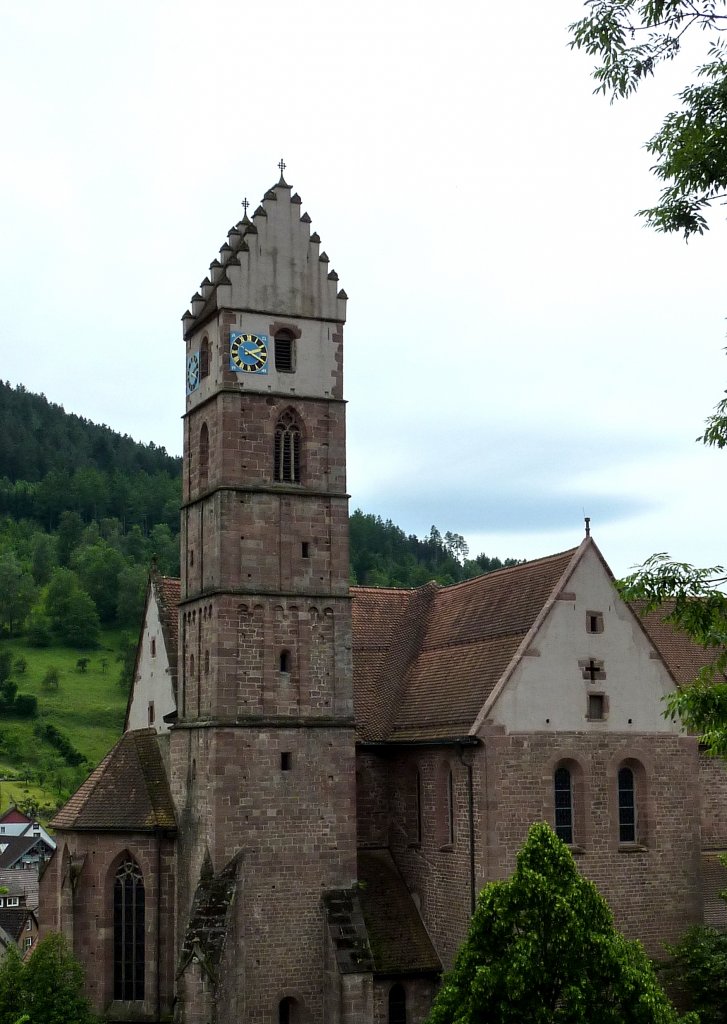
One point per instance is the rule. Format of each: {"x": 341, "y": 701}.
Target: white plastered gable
{"x": 545, "y": 690}
{"x": 152, "y": 679}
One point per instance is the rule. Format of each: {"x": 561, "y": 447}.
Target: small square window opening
{"x": 594, "y": 622}
{"x": 596, "y": 706}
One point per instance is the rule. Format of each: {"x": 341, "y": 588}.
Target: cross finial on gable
{"x": 588, "y": 525}
{"x": 245, "y": 205}
{"x": 282, "y": 165}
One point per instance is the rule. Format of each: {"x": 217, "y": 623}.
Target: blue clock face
{"x": 248, "y": 352}
{"x": 193, "y": 373}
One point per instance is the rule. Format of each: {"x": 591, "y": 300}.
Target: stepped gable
{"x": 475, "y": 629}
{"x": 681, "y": 655}
{"x": 167, "y": 590}
{"x": 269, "y": 262}
{"x": 397, "y": 937}
{"x": 388, "y": 628}
{"x": 127, "y": 792}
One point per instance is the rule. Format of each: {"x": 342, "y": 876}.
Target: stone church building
{"x": 316, "y": 780}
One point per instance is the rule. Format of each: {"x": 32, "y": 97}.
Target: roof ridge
{"x": 521, "y": 566}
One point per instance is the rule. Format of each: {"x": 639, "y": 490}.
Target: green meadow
{"x": 87, "y": 709}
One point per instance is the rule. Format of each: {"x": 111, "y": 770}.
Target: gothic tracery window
{"x": 128, "y": 932}
{"x": 287, "y": 450}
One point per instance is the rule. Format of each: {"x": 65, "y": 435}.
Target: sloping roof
{"x": 397, "y": 937}
{"x": 12, "y": 922}
{"x": 128, "y": 791}
{"x": 17, "y": 847}
{"x": 168, "y": 590}
{"x": 682, "y": 656}
{"x": 347, "y": 930}
{"x": 22, "y": 883}
{"x": 15, "y": 816}
{"x": 442, "y": 650}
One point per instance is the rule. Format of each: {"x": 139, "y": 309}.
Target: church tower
{"x": 262, "y": 751}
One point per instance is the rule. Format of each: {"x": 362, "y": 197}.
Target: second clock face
{"x": 248, "y": 352}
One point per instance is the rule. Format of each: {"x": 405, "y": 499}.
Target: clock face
{"x": 248, "y": 352}
{"x": 193, "y": 373}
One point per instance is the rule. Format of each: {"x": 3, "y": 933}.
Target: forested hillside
{"x": 84, "y": 510}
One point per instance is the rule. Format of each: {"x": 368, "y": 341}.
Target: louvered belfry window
{"x": 129, "y": 932}
{"x": 287, "y": 450}
{"x": 284, "y": 352}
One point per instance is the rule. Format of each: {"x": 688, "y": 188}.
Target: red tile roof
{"x": 397, "y": 937}
{"x": 128, "y": 791}
{"x": 442, "y": 650}
{"x": 168, "y": 591}
{"x": 682, "y": 656}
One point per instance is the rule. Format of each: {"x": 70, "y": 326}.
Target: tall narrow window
{"x": 287, "y": 450}
{"x": 450, "y": 808}
{"x": 129, "y": 932}
{"x": 418, "y": 806}
{"x": 285, "y": 661}
{"x": 397, "y": 1004}
{"x": 563, "y": 785}
{"x": 284, "y": 352}
{"x": 204, "y": 455}
{"x": 626, "y": 806}
{"x": 204, "y": 358}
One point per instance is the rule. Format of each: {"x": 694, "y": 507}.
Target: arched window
{"x": 204, "y": 358}
{"x": 287, "y": 450}
{"x": 285, "y": 352}
{"x": 128, "y": 932}
{"x": 626, "y": 805}
{"x": 204, "y": 455}
{"x": 397, "y": 1004}
{"x": 563, "y": 785}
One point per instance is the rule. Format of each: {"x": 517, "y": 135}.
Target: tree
{"x": 699, "y": 967}
{"x": 51, "y": 679}
{"x": 17, "y": 591}
{"x": 48, "y": 988}
{"x": 690, "y": 599}
{"x": 631, "y": 38}
{"x": 72, "y": 613}
{"x": 542, "y": 948}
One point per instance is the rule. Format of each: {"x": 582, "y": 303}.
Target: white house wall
{"x": 153, "y": 681}
{"x": 547, "y": 691}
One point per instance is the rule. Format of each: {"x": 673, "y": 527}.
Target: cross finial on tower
{"x": 282, "y": 165}
{"x": 245, "y": 205}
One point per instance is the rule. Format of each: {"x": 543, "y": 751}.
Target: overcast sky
{"x": 520, "y": 350}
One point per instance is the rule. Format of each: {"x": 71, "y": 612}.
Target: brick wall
{"x": 653, "y": 887}
{"x": 85, "y": 910}
{"x": 713, "y": 782}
